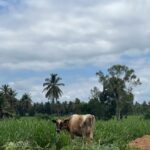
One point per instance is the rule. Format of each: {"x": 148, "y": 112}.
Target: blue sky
{"x": 74, "y": 39}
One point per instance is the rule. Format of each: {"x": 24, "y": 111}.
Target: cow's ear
{"x": 66, "y": 120}
{"x": 54, "y": 121}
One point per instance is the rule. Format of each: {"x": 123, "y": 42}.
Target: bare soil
{"x": 142, "y": 143}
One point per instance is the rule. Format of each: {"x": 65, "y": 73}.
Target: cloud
{"x": 49, "y": 32}
{"x": 47, "y": 35}
{"x": 34, "y": 87}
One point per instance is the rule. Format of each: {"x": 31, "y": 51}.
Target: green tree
{"x": 25, "y": 103}
{"x": 1, "y": 104}
{"x": 119, "y": 82}
{"x": 52, "y": 87}
{"x": 77, "y": 104}
{"x": 5, "y": 89}
{"x": 12, "y": 99}
{"x": 8, "y": 97}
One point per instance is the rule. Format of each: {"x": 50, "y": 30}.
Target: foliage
{"x": 7, "y": 98}
{"x": 24, "y": 105}
{"x": 117, "y": 86}
{"x": 52, "y": 87}
{"x": 20, "y": 145}
{"x": 147, "y": 114}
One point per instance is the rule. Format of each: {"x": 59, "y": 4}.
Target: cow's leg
{"x": 73, "y": 142}
{"x": 83, "y": 139}
{"x": 91, "y": 135}
{"x": 83, "y": 142}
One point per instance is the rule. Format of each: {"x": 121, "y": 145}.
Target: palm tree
{"x": 9, "y": 97}
{"x": 1, "y": 104}
{"x": 25, "y": 103}
{"x": 12, "y": 98}
{"x": 5, "y": 89}
{"x": 52, "y": 87}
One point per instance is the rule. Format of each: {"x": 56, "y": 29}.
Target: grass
{"x": 39, "y": 134}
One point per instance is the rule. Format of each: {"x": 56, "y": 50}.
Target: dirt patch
{"x": 142, "y": 143}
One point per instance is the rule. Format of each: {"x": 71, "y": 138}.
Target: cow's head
{"x": 61, "y": 124}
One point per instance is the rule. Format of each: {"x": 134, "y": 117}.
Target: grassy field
{"x": 37, "y": 133}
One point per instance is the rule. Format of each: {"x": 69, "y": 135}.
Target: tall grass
{"x": 40, "y": 134}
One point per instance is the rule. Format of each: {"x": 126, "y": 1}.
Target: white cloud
{"x": 46, "y": 35}
{"x": 80, "y": 89}
{"x": 54, "y": 32}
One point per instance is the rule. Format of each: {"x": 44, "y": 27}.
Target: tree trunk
{"x": 1, "y": 115}
{"x": 57, "y": 107}
{"x": 118, "y": 107}
{"x": 118, "y": 112}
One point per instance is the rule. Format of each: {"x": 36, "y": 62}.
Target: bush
{"x": 147, "y": 115}
{"x": 43, "y": 116}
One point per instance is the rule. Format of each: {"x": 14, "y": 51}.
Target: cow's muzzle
{"x": 58, "y": 130}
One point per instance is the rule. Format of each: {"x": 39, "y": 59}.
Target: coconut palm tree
{"x": 5, "y": 89}
{"x": 8, "y": 96}
{"x": 1, "y": 104}
{"x": 12, "y": 98}
{"x": 52, "y": 87}
{"x": 25, "y": 103}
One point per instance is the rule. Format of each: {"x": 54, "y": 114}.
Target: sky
{"x": 75, "y": 39}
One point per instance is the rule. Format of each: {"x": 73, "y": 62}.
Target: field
{"x": 38, "y": 133}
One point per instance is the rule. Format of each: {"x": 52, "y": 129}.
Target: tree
{"x": 8, "y": 97}
{"x": 77, "y": 104}
{"x": 95, "y": 93}
{"x": 119, "y": 83}
{"x": 52, "y": 87}
{"x": 1, "y": 104}
{"x": 102, "y": 104}
{"x": 12, "y": 98}
{"x": 5, "y": 89}
{"x": 25, "y": 104}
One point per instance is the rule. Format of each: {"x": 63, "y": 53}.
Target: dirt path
{"x": 143, "y": 143}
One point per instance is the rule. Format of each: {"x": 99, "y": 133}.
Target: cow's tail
{"x": 93, "y": 121}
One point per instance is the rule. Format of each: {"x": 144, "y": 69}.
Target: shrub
{"x": 147, "y": 115}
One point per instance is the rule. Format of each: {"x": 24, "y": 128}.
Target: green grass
{"x": 36, "y": 133}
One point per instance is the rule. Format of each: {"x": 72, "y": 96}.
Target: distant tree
{"x": 9, "y": 97}
{"x": 47, "y": 107}
{"x": 12, "y": 99}
{"x": 65, "y": 107}
{"x": 1, "y": 104}
{"x": 25, "y": 103}
{"x": 5, "y": 89}
{"x": 144, "y": 106}
{"x": 95, "y": 93}
{"x": 102, "y": 104}
{"x": 52, "y": 87}
{"x": 119, "y": 83}
{"x": 71, "y": 107}
{"x": 77, "y": 104}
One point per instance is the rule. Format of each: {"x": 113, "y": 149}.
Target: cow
{"x": 77, "y": 125}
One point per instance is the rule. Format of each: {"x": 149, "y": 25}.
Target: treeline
{"x": 93, "y": 106}
{"x": 114, "y": 99}
{"x": 24, "y": 106}
{"x": 10, "y": 105}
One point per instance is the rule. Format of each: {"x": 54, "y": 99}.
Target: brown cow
{"x": 77, "y": 125}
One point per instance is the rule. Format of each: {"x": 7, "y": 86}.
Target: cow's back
{"x": 81, "y": 123}
{"x": 75, "y": 124}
